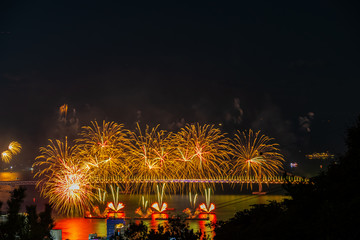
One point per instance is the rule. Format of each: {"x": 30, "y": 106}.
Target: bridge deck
{"x": 279, "y": 180}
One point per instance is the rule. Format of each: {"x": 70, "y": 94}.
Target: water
{"x": 227, "y": 202}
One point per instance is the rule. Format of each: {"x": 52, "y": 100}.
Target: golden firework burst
{"x": 255, "y": 157}
{"x": 14, "y": 147}
{"x": 64, "y": 180}
{"x": 6, "y": 156}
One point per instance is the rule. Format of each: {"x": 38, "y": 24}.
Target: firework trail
{"x": 115, "y": 205}
{"x": 192, "y": 200}
{"x": 63, "y": 112}
{"x": 207, "y": 206}
{"x": 101, "y": 197}
{"x": 160, "y": 206}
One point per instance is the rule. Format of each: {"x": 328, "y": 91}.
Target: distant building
{"x": 322, "y": 156}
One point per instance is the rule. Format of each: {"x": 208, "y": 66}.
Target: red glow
{"x": 116, "y": 215}
{"x": 209, "y": 230}
{"x": 154, "y": 224}
{"x": 79, "y": 228}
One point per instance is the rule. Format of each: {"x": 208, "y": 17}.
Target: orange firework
{"x": 255, "y": 157}
{"x": 6, "y": 156}
{"x": 63, "y": 111}
{"x": 102, "y": 149}
{"x": 14, "y": 147}
{"x": 200, "y": 152}
{"x": 149, "y": 154}
{"x": 209, "y": 206}
{"x": 115, "y": 200}
{"x": 64, "y": 180}
{"x": 160, "y": 206}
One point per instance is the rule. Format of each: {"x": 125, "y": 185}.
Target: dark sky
{"x": 289, "y": 68}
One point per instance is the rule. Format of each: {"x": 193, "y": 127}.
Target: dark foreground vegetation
{"x": 328, "y": 208}
{"x": 176, "y": 228}
{"x": 28, "y": 226}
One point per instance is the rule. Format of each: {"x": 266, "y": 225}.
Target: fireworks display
{"x": 255, "y": 157}
{"x": 208, "y": 206}
{"x": 160, "y": 206}
{"x": 73, "y": 177}
{"x": 13, "y": 149}
{"x": 102, "y": 149}
{"x": 201, "y": 152}
{"x": 6, "y": 156}
{"x": 143, "y": 210}
{"x": 64, "y": 180}
{"x": 193, "y": 200}
{"x": 149, "y": 152}
{"x": 63, "y": 111}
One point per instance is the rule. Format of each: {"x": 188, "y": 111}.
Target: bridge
{"x": 272, "y": 180}
{"x": 114, "y": 180}
{"x": 18, "y": 183}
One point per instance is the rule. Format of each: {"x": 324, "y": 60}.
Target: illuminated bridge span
{"x": 18, "y": 183}
{"x": 274, "y": 180}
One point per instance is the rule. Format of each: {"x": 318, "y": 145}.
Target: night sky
{"x": 290, "y": 69}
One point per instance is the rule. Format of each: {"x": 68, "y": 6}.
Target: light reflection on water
{"x": 227, "y": 205}
{"x": 80, "y": 228}
{"x": 154, "y": 223}
{"x": 9, "y": 176}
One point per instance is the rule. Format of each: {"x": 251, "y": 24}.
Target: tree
{"x": 327, "y": 208}
{"x": 29, "y": 226}
{"x": 175, "y": 228}
{"x": 251, "y": 223}
{"x": 13, "y": 227}
{"x": 136, "y": 231}
{"x": 38, "y": 225}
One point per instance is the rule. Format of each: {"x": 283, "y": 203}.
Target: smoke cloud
{"x": 305, "y": 121}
